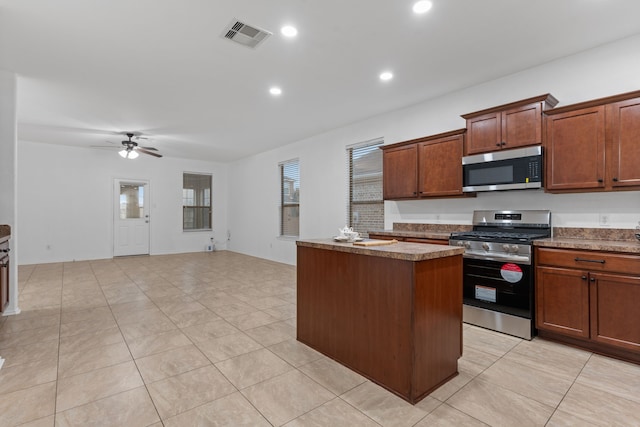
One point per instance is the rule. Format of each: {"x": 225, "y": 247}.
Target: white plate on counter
{"x": 346, "y": 239}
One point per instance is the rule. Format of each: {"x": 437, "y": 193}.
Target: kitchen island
{"x": 392, "y": 313}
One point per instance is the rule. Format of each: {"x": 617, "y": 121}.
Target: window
{"x": 289, "y": 198}
{"x": 131, "y": 201}
{"x": 196, "y": 201}
{"x": 366, "y": 206}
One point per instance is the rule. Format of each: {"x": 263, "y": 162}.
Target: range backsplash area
{"x": 608, "y": 210}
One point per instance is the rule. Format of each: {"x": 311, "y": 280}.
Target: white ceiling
{"x": 90, "y": 68}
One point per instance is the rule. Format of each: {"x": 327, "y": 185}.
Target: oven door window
{"x": 499, "y": 286}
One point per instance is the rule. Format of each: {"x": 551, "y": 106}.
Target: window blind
{"x": 196, "y": 201}
{"x": 365, "y": 207}
{"x": 290, "y": 198}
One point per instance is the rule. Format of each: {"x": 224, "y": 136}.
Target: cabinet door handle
{"x": 600, "y": 180}
{"x": 503, "y": 143}
{"x": 599, "y": 261}
{"x": 615, "y": 179}
{"x": 498, "y": 144}
{"x": 593, "y": 279}
{"x": 584, "y": 277}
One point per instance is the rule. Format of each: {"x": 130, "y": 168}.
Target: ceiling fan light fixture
{"x": 128, "y": 154}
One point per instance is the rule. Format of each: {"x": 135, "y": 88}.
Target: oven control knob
{"x": 506, "y": 247}
{"x": 459, "y": 243}
{"x": 467, "y": 245}
{"x": 515, "y": 249}
{"x": 485, "y": 246}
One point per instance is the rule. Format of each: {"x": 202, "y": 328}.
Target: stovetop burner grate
{"x": 498, "y": 235}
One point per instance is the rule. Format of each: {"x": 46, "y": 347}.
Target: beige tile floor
{"x": 209, "y": 339}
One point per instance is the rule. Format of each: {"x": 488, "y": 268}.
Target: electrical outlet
{"x": 604, "y": 219}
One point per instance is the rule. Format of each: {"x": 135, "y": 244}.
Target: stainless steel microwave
{"x": 516, "y": 169}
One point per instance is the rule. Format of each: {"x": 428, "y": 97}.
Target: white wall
{"x": 8, "y": 178}
{"x": 600, "y": 72}
{"x": 65, "y": 202}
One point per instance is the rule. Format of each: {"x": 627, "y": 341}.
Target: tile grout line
{"x": 570, "y": 387}
{"x": 127, "y": 344}
{"x": 55, "y": 397}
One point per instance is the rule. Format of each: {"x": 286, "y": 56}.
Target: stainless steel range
{"x": 498, "y": 269}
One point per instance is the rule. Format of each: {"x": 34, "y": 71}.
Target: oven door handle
{"x": 500, "y": 258}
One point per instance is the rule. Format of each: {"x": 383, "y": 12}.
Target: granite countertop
{"x": 593, "y": 239}
{"x": 5, "y": 232}
{"x": 436, "y": 235}
{"x": 401, "y": 250}
{"x": 422, "y": 231}
{"x": 623, "y": 246}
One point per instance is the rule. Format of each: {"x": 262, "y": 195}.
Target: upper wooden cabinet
{"x": 514, "y": 125}
{"x": 424, "y": 167}
{"x": 623, "y": 132}
{"x": 574, "y": 149}
{"x": 594, "y": 146}
{"x": 440, "y": 166}
{"x": 400, "y": 172}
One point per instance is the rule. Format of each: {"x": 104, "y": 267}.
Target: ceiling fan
{"x": 131, "y": 148}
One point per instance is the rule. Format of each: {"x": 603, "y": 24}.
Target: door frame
{"x": 115, "y": 209}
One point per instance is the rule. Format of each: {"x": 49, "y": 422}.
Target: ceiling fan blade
{"x": 142, "y": 150}
{"x": 149, "y": 148}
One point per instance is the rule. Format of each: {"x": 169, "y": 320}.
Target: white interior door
{"x": 131, "y": 218}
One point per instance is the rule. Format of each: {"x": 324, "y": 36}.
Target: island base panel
{"x": 396, "y": 322}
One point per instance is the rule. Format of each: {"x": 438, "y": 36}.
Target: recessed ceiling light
{"x": 289, "y": 31}
{"x": 275, "y": 91}
{"x": 422, "y": 6}
{"x": 387, "y": 75}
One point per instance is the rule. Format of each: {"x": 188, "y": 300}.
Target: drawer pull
{"x": 599, "y": 261}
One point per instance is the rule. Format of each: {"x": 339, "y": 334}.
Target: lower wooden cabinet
{"x": 4, "y": 275}
{"x": 615, "y": 314}
{"x": 421, "y": 240}
{"x": 562, "y": 301}
{"x": 590, "y": 298}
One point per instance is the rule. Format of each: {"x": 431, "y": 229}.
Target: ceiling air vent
{"x": 244, "y": 34}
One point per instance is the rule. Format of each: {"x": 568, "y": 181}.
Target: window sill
{"x": 208, "y": 230}
{"x": 288, "y": 238}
